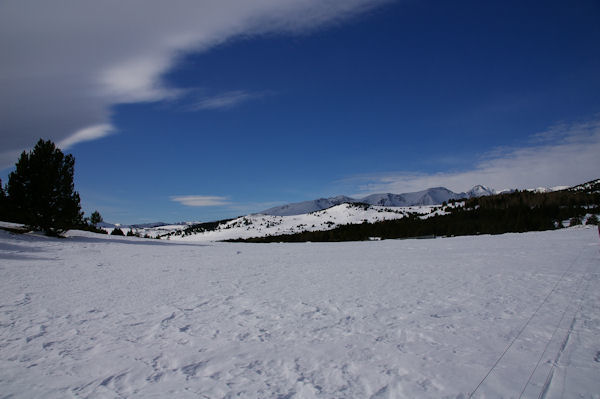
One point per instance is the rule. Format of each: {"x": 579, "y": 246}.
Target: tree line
{"x": 515, "y": 212}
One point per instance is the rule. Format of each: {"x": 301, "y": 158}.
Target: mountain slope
{"x": 300, "y": 208}
{"x": 347, "y": 214}
{"x": 431, "y": 196}
{"x": 592, "y": 186}
{"x": 480, "y": 191}
{"x": 261, "y": 225}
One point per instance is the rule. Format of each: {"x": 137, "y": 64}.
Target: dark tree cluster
{"x": 40, "y": 192}
{"x": 3, "y": 203}
{"x": 117, "y": 232}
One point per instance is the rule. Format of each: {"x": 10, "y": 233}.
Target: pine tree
{"x": 96, "y": 218}
{"x": 41, "y": 190}
{"x": 3, "y": 203}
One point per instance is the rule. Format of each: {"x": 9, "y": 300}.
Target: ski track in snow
{"x": 101, "y": 317}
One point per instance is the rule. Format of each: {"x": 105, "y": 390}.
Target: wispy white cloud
{"x": 87, "y": 134}
{"x": 201, "y": 200}
{"x": 225, "y": 100}
{"x": 64, "y": 67}
{"x": 224, "y": 202}
{"x": 8, "y": 158}
{"x": 565, "y": 154}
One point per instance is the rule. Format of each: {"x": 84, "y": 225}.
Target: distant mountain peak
{"x": 480, "y": 190}
{"x": 431, "y": 196}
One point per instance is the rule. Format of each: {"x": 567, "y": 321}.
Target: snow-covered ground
{"x": 259, "y": 225}
{"x": 95, "y": 316}
{"x": 151, "y": 232}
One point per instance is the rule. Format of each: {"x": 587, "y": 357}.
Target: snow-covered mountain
{"x": 322, "y": 214}
{"x": 300, "y": 208}
{"x": 328, "y": 213}
{"x": 480, "y": 191}
{"x": 431, "y": 196}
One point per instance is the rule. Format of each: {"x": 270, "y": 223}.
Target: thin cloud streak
{"x": 224, "y": 100}
{"x": 219, "y": 201}
{"x": 89, "y": 133}
{"x": 564, "y": 155}
{"x": 201, "y": 200}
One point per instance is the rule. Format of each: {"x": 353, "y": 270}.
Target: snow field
{"x": 96, "y": 316}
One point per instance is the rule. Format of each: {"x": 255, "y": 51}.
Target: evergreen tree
{"x": 96, "y": 218}
{"x": 4, "y": 210}
{"x": 3, "y": 203}
{"x": 41, "y": 190}
{"x": 117, "y": 232}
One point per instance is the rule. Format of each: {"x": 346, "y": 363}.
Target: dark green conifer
{"x": 41, "y": 190}
{"x": 96, "y": 218}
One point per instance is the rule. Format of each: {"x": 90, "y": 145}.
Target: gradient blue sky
{"x": 289, "y": 102}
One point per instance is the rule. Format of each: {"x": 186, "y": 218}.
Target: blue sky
{"x": 289, "y": 101}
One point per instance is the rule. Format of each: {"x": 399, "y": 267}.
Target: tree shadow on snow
{"x": 10, "y": 251}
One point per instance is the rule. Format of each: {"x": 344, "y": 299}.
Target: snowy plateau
{"x": 97, "y": 316}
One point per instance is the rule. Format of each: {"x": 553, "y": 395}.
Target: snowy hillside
{"x": 259, "y": 225}
{"x": 96, "y": 316}
{"x": 324, "y": 214}
{"x": 590, "y": 187}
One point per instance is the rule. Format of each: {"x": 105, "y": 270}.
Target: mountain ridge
{"x": 430, "y": 196}
{"x": 256, "y": 225}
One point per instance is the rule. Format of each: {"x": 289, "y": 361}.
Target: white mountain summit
{"x": 480, "y": 191}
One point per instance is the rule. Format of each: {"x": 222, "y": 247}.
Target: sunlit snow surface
{"x": 102, "y": 317}
{"x": 259, "y": 225}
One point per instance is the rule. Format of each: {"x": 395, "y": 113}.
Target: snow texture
{"x": 94, "y": 316}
